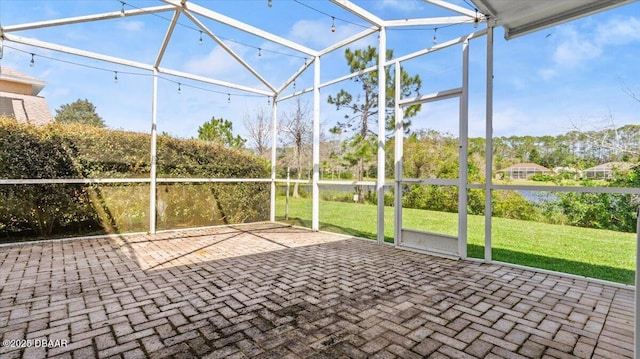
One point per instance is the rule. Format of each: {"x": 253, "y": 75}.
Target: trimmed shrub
{"x": 511, "y": 204}
{"x": 60, "y": 151}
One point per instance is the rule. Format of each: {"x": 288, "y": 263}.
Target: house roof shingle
{"x": 30, "y": 109}
{"x": 24, "y": 108}
{"x": 609, "y": 166}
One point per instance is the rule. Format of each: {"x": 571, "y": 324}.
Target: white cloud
{"x": 317, "y": 33}
{"x": 534, "y": 121}
{"x": 60, "y": 92}
{"x": 216, "y": 63}
{"x": 618, "y": 31}
{"x": 130, "y": 25}
{"x": 508, "y": 121}
{"x": 400, "y": 5}
{"x": 579, "y": 45}
{"x": 517, "y": 82}
{"x": 441, "y": 116}
{"x": 46, "y": 73}
{"x": 48, "y": 11}
{"x": 575, "y": 49}
{"x": 77, "y": 36}
{"x": 546, "y": 74}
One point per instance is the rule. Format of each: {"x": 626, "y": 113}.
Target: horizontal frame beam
{"x": 348, "y": 40}
{"x": 77, "y": 52}
{"x": 127, "y": 180}
{"x": 452, "y": 7}
{"x": 431, "y": 181}
{"x": 438, "y": 47}
{"x": 347, "y": 183}
{"x": 611, "y": 190}
{"x": 448, "y": 20}
{"x": 211, "y": 180}
{"x": 437, "y": 96}
{"x": 187, "y": 75}
{"x": 87, "y": 18}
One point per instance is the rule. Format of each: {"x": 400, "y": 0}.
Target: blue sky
{"x": 571, "y": 76}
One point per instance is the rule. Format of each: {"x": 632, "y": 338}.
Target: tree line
{"x": 356, "y": 155}
{"x": 577, "y": 149}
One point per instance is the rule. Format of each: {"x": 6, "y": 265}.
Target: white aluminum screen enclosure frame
{"x": 190, "y": 9}
{"x": 517, "y": 17}
{"x": 455, "y": 246}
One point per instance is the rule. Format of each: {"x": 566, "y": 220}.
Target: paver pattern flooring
{"x": 273, "y": 291}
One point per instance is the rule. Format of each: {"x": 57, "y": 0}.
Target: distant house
{"x": 19, "y": 98}
{"x": 523, "y": 171}
{"x": 605, "y": 170}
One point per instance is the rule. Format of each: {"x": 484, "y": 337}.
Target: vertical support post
{"x": 154, "y": 137}
{"x": 315, "y": 209}
{"x": 286, "y": 196}
{"x": 398, "y": 156}
{"x": 488, "y": 149}
{"x": 463, "y": 153}
{"x": 382, "y": 95}
{"x": 274, "y": 147}
{"x": 636, "y": 353}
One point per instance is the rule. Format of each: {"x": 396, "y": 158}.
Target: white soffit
{"x": 520, "y": 17}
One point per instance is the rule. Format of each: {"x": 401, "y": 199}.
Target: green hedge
{"x": 77, "y": 151}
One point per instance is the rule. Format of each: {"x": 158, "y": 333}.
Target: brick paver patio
{"x": 272, "y": 291}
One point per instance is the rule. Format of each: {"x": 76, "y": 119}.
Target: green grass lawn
{"x": 588, "y": 252}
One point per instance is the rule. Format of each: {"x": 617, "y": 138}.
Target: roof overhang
{"x": 519, "y": 17}
{"x": 11, "y": 75}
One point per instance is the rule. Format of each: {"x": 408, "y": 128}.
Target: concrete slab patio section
{"x": 272, "y": 291}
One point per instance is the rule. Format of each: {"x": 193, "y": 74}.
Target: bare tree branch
{"x": 610, "y": 140}
{"x": 296, "y": 128}
{"x": 626, "y": 89}
{"x": 259, "y": 131}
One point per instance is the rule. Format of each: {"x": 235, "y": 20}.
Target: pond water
{"x": 537, "y": 196}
